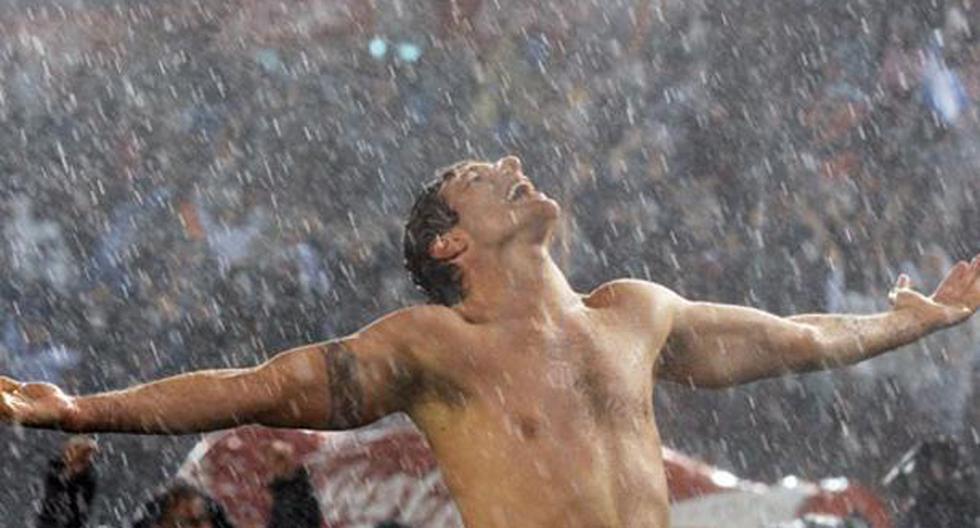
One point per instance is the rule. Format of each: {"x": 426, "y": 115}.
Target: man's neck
{"x": 516, "y": 282}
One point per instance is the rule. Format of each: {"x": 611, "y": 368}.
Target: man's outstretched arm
{"x": 338, "y": 384}
{"x": 717, "y": 345}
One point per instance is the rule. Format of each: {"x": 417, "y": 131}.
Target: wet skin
{"x": 548, "y": 422}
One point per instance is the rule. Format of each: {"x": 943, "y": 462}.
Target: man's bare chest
{"x": 577, "y": 372}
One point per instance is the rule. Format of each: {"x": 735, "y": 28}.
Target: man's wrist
{"x": 72, "y": 417}
{"x": 921, "y": 321}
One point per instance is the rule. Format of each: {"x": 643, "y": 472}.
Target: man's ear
{"x": 448, "y": 246}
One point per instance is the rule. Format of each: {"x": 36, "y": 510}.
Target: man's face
{"x": 496, "y": 202}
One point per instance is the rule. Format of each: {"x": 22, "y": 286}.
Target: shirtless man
{"x": 536, "y": 399}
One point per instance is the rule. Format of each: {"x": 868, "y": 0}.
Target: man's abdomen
{"x": 587, "y": 477}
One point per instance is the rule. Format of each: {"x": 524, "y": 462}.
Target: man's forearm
{"x": 188, "y": 403}
{"x": 846, "y": 339}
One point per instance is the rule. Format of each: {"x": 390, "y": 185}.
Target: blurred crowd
{"x": 193, "y": 184}
{"x": 71, "y": 479}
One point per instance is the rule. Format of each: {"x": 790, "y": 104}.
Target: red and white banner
{"x": 387, "y": 473}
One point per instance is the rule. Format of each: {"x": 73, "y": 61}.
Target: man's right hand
{"x": 34, "y": 404}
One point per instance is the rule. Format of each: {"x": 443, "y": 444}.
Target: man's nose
{"x": 510, "y": 164}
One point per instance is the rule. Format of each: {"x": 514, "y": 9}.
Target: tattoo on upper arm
{"x": 346, "y": 393}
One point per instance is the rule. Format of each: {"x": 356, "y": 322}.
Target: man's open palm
{"x": 34, "y": 404}
{"x": 956, "y": 298}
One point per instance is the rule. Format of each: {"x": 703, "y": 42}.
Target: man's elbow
{"x": 801, "y": 351}
{"x": 810, "y": 352}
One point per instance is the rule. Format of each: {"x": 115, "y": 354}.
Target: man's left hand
{"x": 956, "y": 298}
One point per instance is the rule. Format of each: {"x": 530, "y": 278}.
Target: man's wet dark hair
{"x": 431, "y": 216}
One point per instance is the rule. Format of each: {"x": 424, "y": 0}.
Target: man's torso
{"x": 551, "y": 423}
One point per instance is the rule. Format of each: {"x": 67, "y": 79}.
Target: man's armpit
{"x": 673, "y": 364}
{"x": 344, "y": 386}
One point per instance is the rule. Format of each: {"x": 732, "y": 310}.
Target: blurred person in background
{"x": 937, "y": 485}
{"x": 294, "y": 503}
{"x": 69, "y": 485}
{"x": 181, "y": 505}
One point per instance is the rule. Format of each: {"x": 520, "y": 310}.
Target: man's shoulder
{"x": 421, "y": 317}
{"x": 630, "y": 293}
{"x": 416, "y": 326}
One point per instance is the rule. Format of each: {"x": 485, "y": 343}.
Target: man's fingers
{"x": 955, "y": 278}
{"x": 8, "y": 384}
{"x": 961, "y": 269}
{"x": 974, "y": 288}
{"x": 902, "y": 283}
{"x": 970, "y": 279}
{"x": 6, "y": 407}
{"x": 972, "y": 267}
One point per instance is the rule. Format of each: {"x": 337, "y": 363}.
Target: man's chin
{"x": 544, "y": 217}
{"x": 544, "y": 202}
{"x": 551, "y": 207}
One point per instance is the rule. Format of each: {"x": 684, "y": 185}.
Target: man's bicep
{"x": 720, "y": 345}
{"x": 367, "y": 379}
{"x": 340, "y": 384}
